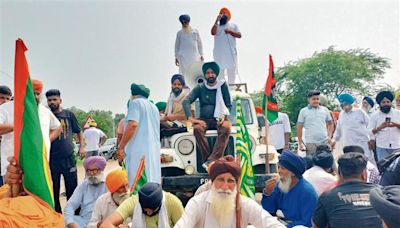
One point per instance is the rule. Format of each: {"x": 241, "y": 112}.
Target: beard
{"x": 119, "y": 198}
{"x": 284, "y": 185}
{"x": 223, "y": 206}
{"x": 53, "y": 107}
{"x": 95, "y": 180}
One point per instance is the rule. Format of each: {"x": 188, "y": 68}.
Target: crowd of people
{"x": 360, "y": 187}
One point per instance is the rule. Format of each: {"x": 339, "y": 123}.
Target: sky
{"x": 93, "y": 50}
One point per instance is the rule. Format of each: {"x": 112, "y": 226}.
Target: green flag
{"x": 243, "y": 148}
{"x": 270, "y": 105}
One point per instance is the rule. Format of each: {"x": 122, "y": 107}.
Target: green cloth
{"x": 173, "y": 205}
{"x": 213, "y": 65}
{"x": 140, "y": 90}
{"x": 161, "y": 105}
{"x": 207, "y": 98}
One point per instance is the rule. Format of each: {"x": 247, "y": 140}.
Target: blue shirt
{"x": 297, "y": 205}
{"x": 146, "y": 140}
{"x": 85, "y": 196}
{"x": 314, "y": 121}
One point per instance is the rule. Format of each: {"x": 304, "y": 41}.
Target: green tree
{"x": 330, "y": 71}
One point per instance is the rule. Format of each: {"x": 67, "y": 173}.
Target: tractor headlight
{"x": 185, "y": 146}
{"x": 189, "y": 170}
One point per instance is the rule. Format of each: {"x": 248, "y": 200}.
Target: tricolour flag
{"x": 243, "y": 149}
{"x": 272, "y": 109}
{"x": 29, "y": 146}
{"x": 140, "y": 178}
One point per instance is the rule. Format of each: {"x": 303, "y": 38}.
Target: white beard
{"x": 95, "y": 180}
{"x": 223, "y": 206}
{"x": 284, "y": 186}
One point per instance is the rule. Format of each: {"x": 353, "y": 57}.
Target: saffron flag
{"x": 140, "y": 178}
{"x": 243, "y": 148}
{"x": 29, "y": 146}
{"x": 270, "y": 109}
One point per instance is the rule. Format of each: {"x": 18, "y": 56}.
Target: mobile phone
{"x": 388, "y": 119}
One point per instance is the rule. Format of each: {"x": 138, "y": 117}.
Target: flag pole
{"x": 266, "y": 137}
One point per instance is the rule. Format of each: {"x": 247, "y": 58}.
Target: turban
{"x": 161, "y": 105}
{"x": 226, "y": 12}
{"x": 116, "y": 179}
{"x": 346, "y": 99}
{"x": 53, "y": 92}
{"x": 397, "y": 94}
{"x": 293, "y": 163}
{"x": 37, "y": 85}
{"x": 309, "y": 161}
{"x": 225, "y": 164}
{"x": 323, "y": 159}
{"x": 184, "y": 17}
{"x": 140, "y": 90}
{"x": 5, "y": 90}
{"x": 369, "y": 100}
{"x": 150, "y": 196}
{"x": 99, "y": 161}
{"x": 386, "y": 202}
{"x": 259, "y": 110}
{"x": 383, "y": 94}
{"x": 178, "y": 77}
{"x": 210, "y": 65}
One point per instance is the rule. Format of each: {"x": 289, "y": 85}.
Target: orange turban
{"x": 116, "y": 179}
{"x": 226, "y": 12}
{"x": 37, "y": 85}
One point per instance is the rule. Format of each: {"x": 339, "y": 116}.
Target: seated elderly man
{"x": 156, "y": 208}
{"x": 86, "y": 194}
{"x": 117, "y": 185}
{"x": 292, "y": 199}
{"x": 219, "y": 206}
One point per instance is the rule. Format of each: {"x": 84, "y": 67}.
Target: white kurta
{"x": 319, "y": 179}
{"x": 188, "y": 48}
{"x": 225, "y": 53}
{"x": 352, "y": 129}
{"x": 198, "y": 214}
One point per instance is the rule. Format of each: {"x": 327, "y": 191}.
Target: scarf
{"x": 171, "y": 100}
{"x": 220, "y": 107}
{"x": 138, "y": 216}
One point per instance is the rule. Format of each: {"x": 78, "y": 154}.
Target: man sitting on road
{"x": 86, "y": 194}
{"x": 117, "y": 185}
{"x": 152, "y": 207}
{"x": 215, "y": 103}
{"x": 293, "y": 199}
{"x": 218, "y": 207}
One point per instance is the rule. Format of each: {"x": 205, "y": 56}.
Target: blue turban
{"x": 293, "y": 162}
{"x": 184, "y": 17}
{"x": 211, "y": 65}
{"x": 150, "y": 196}
{"x": 369, "y": 100}
{"x": 389, "y": 95}
{"x": 99, "y": 161}
{"x": 346, "y": 98}
{"x": 179, "y": 77}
